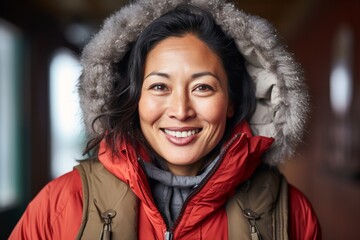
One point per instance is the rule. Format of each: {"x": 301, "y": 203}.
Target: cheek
{"x": 214, "y": 111}
{"x": 149, "y": 110}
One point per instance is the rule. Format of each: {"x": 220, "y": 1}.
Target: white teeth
{"x": 181, "y": 134}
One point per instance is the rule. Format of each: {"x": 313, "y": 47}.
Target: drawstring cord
{"x": 106, "y": 217}
{"x": 252, "y": 217}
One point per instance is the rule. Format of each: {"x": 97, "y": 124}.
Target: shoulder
{"x": 303, "y": 220}
{"x": 63, "y": 186}
{"x": 59, "y": 193}
{"x": 55, "y": 211}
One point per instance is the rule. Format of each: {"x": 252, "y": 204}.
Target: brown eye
{"x": 158, "y": 87}
{"x": 204, "y": 88}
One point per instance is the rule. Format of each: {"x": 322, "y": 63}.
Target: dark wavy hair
{"x": 120, "y": 117}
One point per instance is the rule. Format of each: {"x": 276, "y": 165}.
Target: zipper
{"x": 203, "y": 182}
{"x": 169, "y": 233}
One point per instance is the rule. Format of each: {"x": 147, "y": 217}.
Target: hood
{"x": 282, "y": 99}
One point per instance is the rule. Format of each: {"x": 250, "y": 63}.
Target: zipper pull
{"x": 168, "y": 235}
{"x": 252, "y": 217}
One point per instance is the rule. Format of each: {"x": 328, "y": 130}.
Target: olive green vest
{"x": 259, "y": 209}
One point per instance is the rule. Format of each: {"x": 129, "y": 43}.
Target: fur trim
{"x": 282, "y": 99}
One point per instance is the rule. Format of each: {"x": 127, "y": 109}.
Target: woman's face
{"x": 184, "y": 102}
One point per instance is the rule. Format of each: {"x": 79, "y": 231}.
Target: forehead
{"x": 186, "y": 42}
{"x": 187, "y": 50}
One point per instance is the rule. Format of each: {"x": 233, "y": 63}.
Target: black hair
{"x": 120, "y": 118}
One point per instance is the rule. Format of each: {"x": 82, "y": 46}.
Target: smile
{"x": 181, "y": 134}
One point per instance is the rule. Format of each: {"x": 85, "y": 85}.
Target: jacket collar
{"x": 240, "y": 157}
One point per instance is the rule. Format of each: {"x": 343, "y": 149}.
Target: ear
{"x": 230, "y": 110}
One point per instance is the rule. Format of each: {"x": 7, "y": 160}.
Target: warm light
{"x": 341, "y": 82}
{"x": 9, "y": 147}
{"x": 66, "y": 127}
{"x": 340, "y": 89}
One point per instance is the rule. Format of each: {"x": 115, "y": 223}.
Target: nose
{"x": 180, "y": 106}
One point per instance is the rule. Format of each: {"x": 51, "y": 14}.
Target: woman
{"x": 172, "y": 94}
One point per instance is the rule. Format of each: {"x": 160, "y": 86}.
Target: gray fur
{"x": 282, "y": 96}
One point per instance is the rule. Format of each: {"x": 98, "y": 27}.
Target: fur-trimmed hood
{"x": 282, "y": 100}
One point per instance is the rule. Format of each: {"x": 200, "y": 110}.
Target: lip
{"x": 181, "y": 136}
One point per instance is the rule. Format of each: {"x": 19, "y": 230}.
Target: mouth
{"x": 181, "y": 134}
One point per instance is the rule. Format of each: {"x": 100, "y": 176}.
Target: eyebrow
{"x": 201, "y": 74}
{"x": 194, "y": 76}
{"x": 160, "y": 74}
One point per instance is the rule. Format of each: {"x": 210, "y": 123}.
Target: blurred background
{"x": 40, "y": 129}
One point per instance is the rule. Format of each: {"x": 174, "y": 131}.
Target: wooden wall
{"x": 327, "y": 169}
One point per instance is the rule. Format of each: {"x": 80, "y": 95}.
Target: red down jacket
{"x": 56, "y": 211}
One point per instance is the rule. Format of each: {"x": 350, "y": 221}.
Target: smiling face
{"x": 184, "y": 102}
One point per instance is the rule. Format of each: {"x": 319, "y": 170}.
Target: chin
{"x": 181, "y": 161}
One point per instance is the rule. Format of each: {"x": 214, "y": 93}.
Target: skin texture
{"x": 185, "y": 92}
